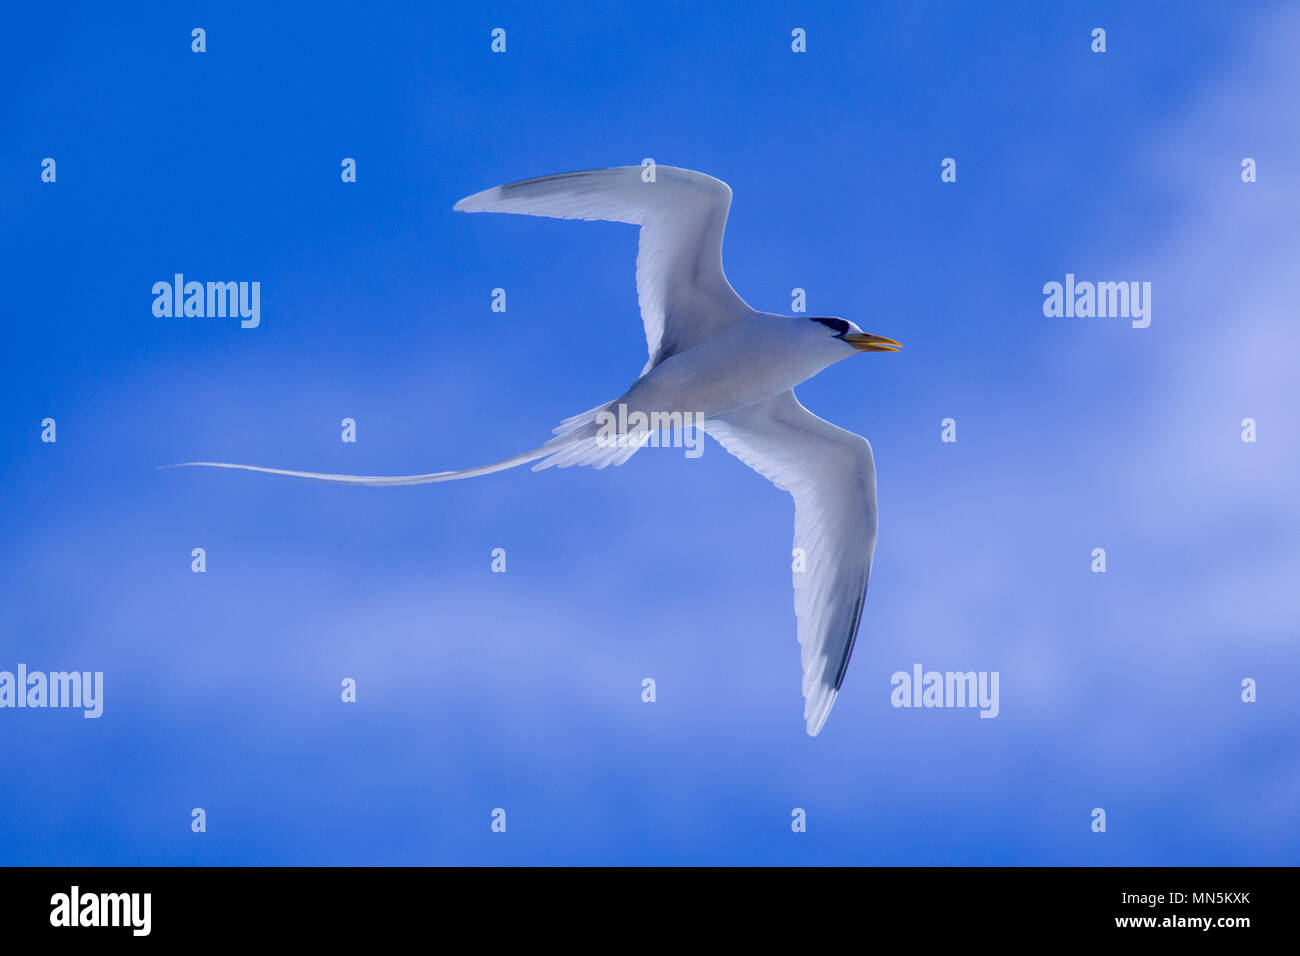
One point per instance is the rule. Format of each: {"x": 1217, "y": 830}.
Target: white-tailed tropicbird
{"x": 714, "y": 356}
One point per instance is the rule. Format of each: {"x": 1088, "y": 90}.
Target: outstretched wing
{"x": 684, "y": 296}
{"x": 831, "y": 476}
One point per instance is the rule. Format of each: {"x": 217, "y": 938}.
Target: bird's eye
{"x": 839, "y": 326}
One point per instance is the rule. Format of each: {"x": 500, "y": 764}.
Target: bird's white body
{"x": 711, "y": 355}
{"x": 756, "y": 358}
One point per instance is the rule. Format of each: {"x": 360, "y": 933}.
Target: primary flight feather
{"x": 713, "y": 356}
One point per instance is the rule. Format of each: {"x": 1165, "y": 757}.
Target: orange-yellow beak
{"x": 866, "y": 342}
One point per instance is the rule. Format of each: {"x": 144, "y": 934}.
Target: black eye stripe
{"x": 839, "y": 325}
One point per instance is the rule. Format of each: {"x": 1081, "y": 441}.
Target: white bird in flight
{"x": 714, "y": 356}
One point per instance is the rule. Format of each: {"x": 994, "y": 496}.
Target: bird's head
{"x": 854, "y": 337}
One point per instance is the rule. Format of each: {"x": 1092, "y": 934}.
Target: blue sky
{"x": 522, "y": 690}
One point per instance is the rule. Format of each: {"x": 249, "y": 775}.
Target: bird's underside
{"x": 710, "y": 353}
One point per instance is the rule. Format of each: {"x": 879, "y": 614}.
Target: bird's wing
{"x": 684, "y": 296}
{"x": 831, "y": 476}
